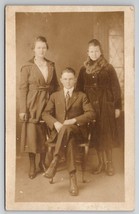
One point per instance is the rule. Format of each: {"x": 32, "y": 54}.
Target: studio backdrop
{"x": 68, "y": 34}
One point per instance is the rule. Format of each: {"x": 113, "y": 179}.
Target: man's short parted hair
{"x": 68, "y": 70}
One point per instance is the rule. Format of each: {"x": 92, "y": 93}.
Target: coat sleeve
{"x": 89, "y": 113}
{"x": 23, "y": 87}
{"x": 115, "y": 86}
{"x": 49, "y": 112}
{"x": 80, "y": 80}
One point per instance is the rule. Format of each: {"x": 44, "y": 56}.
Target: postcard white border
{"x": 11, "y": 110}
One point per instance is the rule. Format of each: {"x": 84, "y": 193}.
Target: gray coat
{"x": 34, "y": 95}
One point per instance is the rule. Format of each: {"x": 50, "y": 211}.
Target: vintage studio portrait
{"x": 70, "y": 107}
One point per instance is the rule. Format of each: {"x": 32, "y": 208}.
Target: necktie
{"x": 67, "y": 99}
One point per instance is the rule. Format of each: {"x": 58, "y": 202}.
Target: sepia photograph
{"x": 69, "y": 107}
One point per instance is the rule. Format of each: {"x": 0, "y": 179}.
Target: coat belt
{"x": 39, "y": 88}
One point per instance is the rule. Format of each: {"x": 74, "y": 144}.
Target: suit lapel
{"x": 72, "y": 99}
{"x": 62, "y": 99}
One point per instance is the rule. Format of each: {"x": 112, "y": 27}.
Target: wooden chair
{"x": 83, "y": 149}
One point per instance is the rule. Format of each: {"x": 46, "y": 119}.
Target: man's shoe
{"x": 51, "y": 171}
{"x": 110, "y": 168}
{"x": 73, "y": 185}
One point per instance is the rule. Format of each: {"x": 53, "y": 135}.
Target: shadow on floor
{"x": 98, "y": 188}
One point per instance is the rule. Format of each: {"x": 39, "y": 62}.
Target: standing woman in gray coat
{"x": 37, "y": 81}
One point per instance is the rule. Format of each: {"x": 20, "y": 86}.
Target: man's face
{"x": 68, "y": 80}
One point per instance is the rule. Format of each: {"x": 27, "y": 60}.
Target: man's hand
{"x": 23, "y": 116}
{"x": 117, "y": 113}
{"x": 69, "y": 122}
{"x": 58, "y": 126}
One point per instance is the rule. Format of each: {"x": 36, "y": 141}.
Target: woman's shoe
{"x": 32, "y": 175}
{"x": 32, "y": 171}
{"x": 109, "y": 168}
{"x": 73, "y": 185}
{"x": 100, "y": 168}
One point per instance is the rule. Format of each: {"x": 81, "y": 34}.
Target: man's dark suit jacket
{"x": 79, "y": 108}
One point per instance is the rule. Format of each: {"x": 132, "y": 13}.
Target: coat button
{"x": 93, "y": 76}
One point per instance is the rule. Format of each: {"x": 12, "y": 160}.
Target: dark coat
{"x": 34, "y": 94}
{"x": 79, "y": 108}
{"x": 103, "y": 90}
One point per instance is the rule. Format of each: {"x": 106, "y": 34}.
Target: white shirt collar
{"x": 70, "y": 91}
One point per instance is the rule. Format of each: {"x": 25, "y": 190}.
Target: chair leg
{"x": 83, "y": 162}
{"x": 83, "y": 167}
{"x": 42, "y": 164}
{"x": 86, "y": 150}
{"x": 51, "y": 155}
{"x": 83, "y": 177}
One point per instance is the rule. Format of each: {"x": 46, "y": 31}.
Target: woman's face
{"x": 40, "y": 49}
{"x": 94, "y": 52}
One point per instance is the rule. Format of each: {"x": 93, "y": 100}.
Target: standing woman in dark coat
{"x": 37, "y": 81}
{"x": 98, "y": 79}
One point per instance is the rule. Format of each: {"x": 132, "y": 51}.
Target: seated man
{"x": 66, "y": 114}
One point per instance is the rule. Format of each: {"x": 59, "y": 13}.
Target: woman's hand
{"x": 117, "y": 113}
{"x": 23, "y": 116}
{"x": 58, "y": 126}
{"x": 69, "y": 122}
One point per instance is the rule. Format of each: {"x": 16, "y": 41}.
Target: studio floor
{"x": 98, "y": 188}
